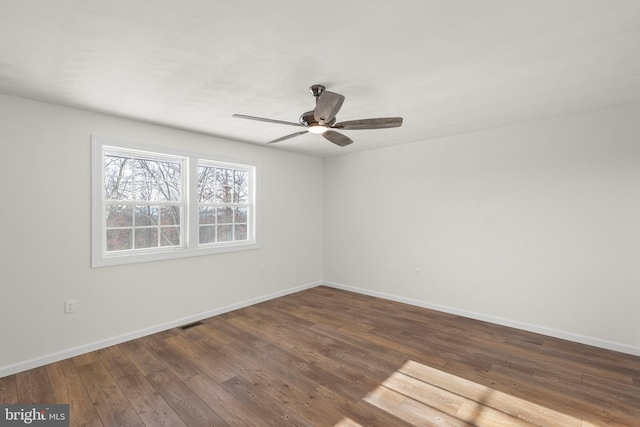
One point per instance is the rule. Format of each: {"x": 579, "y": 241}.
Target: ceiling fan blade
{"x": 327, "y": 106}
{"x": 381, "y": 123}
{"x": 293, "y": 135}
{"x": 261, "y": 119}
{"x": 337, "y": 138}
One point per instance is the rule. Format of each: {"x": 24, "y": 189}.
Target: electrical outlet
{"x": 69, "y": 306}
{"x": 417, "y": 273}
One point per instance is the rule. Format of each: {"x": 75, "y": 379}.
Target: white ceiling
{"x": 446, "y": 66}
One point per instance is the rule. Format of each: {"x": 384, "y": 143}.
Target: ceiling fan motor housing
{"x": 308, "y": 119}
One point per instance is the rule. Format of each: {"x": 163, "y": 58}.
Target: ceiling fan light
{"x": 317, "y": 129}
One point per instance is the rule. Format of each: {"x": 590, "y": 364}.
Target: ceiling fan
{"x": 322, "y": 120}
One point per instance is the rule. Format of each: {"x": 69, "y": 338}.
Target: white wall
{"x": 535, "y": 225}
{"x": 45, "y": 247}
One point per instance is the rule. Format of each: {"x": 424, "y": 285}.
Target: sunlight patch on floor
{"x": 347, "y": 422}
{"x": 423, "y": 395}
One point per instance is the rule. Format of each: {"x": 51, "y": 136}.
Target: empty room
{"x": 355, "y": 213}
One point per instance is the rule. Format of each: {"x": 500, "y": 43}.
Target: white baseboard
{"x": 582, "y": 339}
{"x": 97, "y": 345}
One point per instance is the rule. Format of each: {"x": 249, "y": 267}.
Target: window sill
{"x": 174, "y": 253}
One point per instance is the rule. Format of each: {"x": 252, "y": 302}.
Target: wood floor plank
{"x": 551, "y": 397}
{"x": 8, "y": 390}
{"x": 213, "y": 336}
{"x": 302, "y": 364}
{"x": 168, "y": 356}
{"x": 629, "y": 393}
{"x": 232, "y": 410}
{"x": 401, "y": 407}
{"x": 34, "y": 387}
{"x": 250, "y": 340}
{"x": 428, "y": 394}
{"x": 310, "y": 406}
{"x": 201, "y": 357}
{"x": 142, "y": 358}
{"x": 377, "y": 354}
{"x": 93, "y": 423}
{"x": 480, "y": 415}
{"x": 276, "y": 335}
{"x": 425, "y": 415}
{"x": 330, "y": 357}
{"x": 186, "y": 404}
{"x": 152, "y": 408}
{"x": 67, "y": 388}
{"x": 387, "y": 351}
{"x": 272, "y": 357}
{"x": 476, "y": 399}
{"x": 251, "y": 393}
{"x": 84, "y": 359}
{"x": 148, "y": 404}
{"x": 361, "y": 411}
{"x": 108, "y": 399}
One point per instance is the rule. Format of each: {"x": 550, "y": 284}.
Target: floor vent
{"x": 190, "y": 325}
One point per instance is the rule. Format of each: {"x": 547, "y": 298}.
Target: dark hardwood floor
{"x": 325, "y": 357}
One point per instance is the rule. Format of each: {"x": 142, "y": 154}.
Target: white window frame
{"x": 100, "y": 257}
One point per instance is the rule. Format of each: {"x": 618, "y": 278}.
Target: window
{"x": 151, "y": 204}
{"x": 143, "y": 200}
{"x": 223, "y": 203}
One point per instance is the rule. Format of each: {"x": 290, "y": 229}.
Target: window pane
{"x": 225, "y": 215}
{"x": 207, "y": 234}
{"x": 118, "y": 240}
{"x": 223, "y": 184}
{"x": 145, "y": 179}
{"x": 240, "y": 194}
{"x": 240, "y": 178}
{"x": 169, "y": 181}
{"x": 144, "y": 189}
{"x": 170, "y": 236}
{"x": 225, "y": 233}
{"x": 146, "y": 237}
{"x": 241, "y": 186}
{"x": 119, "y": 216}
{"x": 206, "y": 184}
{"x": 241, "y": 232}
{"x": 224, "y": 194}
{"x": 146, "y": 215}
{"x": 118, "y": 189}
{"x": 170, "y": 215}
{"x": 145, "y": 168}
{"x": 117, "y": 166}
{"x": 169, "y": 191}
{"x": 169, "y": 171}
{"x": 207, "y": 215}
{"x": 117, "y": 177}
{"x": 240, "y": 215}
{"x": 224, "y": 176}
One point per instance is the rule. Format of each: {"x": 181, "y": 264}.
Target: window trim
{"x": 190, "y": 226}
